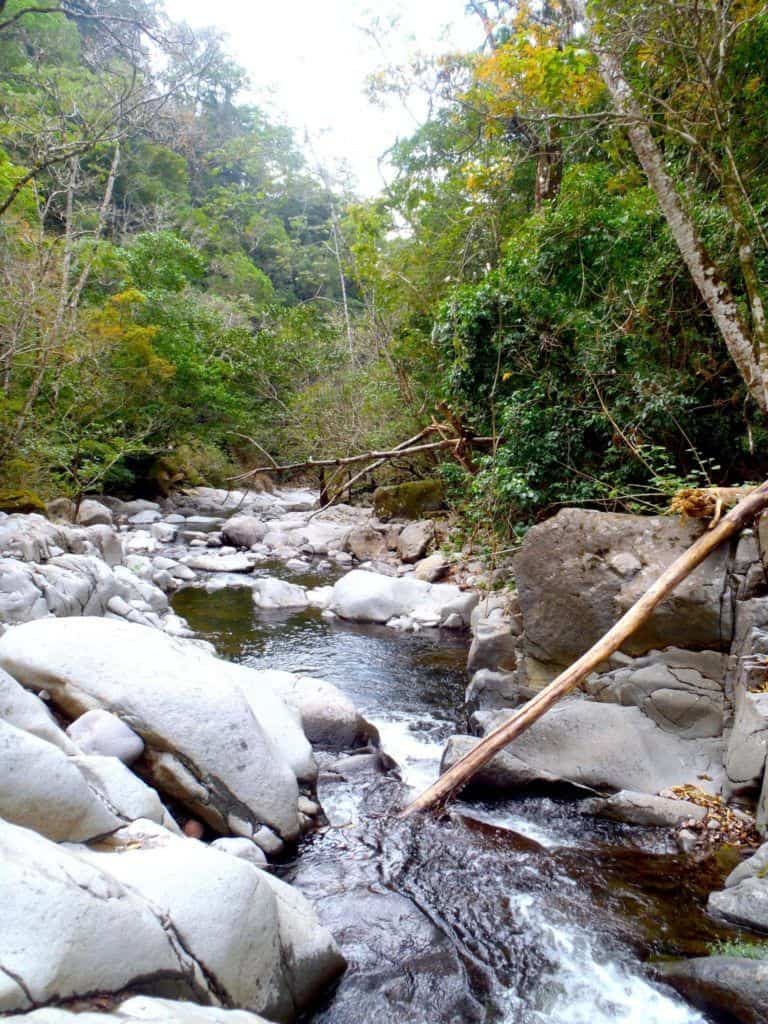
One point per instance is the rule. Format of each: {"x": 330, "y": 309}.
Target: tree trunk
{"x": 706, "y": 275}
{"x": 461, "y": 772}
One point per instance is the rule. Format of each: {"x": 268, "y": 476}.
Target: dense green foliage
{"x": 176, "y": 278}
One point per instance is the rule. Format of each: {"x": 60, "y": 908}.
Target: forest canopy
{"x": 571, "y": 257}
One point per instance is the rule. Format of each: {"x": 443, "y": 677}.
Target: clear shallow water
{"x": 519, "y": 912}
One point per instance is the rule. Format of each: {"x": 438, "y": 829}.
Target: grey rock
{"x": 244, "y": 531}
{"x": 220, "y": 563}
{"x": 24, "y": 710}
{"x": 272, "y": 593}
{"x": 643, "y": 809}
{"x": 328, "y": 717}
{"x": 70, "y": 928}
{"x": 681, "y": 691}
{"x": 365, "y": 543}
{"x": 744, "y": 900}
{"x": 143, "y": 1009}
{"x": 259, "y": 939}
{"x": 61, "y": 509}
{"x": 755, "y": 866}
{"x": 150, "y": 681}
{"x": 489, "y": 689}
{"x": 123, "y": 792}
{"x": 92, "y": 513}
{"x": 245, "y": 849}
{"x": 145, "y": 517}
{"x": 414, "y": 540}
{"x": 748, "y": 744}
{"x": 100, "y": 732}
{"x": 602, "y": 747}
{"x": 43, "y": 789}
{"x": 572, "y": 588}
{"x": 734, "y": 985}
{"x": 432, "y": 568}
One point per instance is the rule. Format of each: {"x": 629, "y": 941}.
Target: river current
{"x": 513, "y": 912}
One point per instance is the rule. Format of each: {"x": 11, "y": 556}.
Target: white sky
{"x": 308, "y": 61}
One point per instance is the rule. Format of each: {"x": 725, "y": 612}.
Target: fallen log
{"x": 391, "y": 453}
{"x": 462, "y": 771}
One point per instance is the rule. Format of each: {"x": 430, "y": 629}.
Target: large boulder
{"x": 261, "y": 943}
{"x": 204, "y": 744}
{"x": 122, "y": 792}
{"x": 734, "y": 986}
{"x": 372, "y": 597}
{"x": 414, "y": 540}
{"x": 157, "y": 913}
{"x": 24, "y": 710}
{"x": 681, "y": 691}
{"x": 99, "y": 732}
{"x": 142, "y": 1010}
{"x": 91, "y": 513}
{"x": 328, "y": 717}
{"x": 365, "y": 543}
{"x": 219, "y": 563}
{"x": 410, "y": 500}
{"x": 744, "y": 900}
{"x": 496, "y": 627}
{"x": 20, "y": 500}
{"x": 271, "y": 593}
{"x": 244, "y": 531}
{"x": 70, "y": 928}
{"x": 600, "y": 747}
{"x": 43, "y": 789}
{"x": 578, "y": 572}
{"x": 748, "y": 744}
{"x": 643, "y": 809}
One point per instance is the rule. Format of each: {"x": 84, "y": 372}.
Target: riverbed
{"x": 516, "y": 912}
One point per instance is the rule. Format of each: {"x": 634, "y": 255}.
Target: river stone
{"x": 143, "y": 1009}
{"x": 22, "y": 709}
{"x": 245, "y": 849}
{"x": 93, "y": 512}
{"x": 744, "y": 904}
{"x": 579, "y": 571}
{"x": 681, "y": 691}
{"x": 737, "y": 986}
{"x": 489, "y": 689}
{"x": 495, "y": 641}
{"x": 748, "y": 744}
{"x": 244, "y": 531}
{"x": 123, "y": 792}
{"x": 432, "y": 568}
{"x": 69, "y": 929}
{"x": 328, "y": 717}
{"x": 43, "y": 789}
{"x": 272, "y": 593}
{"x": 263, "y": 952}
{"x": 602, "y": 747}
{"x": 643, "y": 809}
{"x": 219, "y": 563}
{"x": 755, "y": 866}
{"x": 151, "y": 681}
{"x": 372, "y": 597}
{"x": 414, "y": 540}
{"x": 100, "y": 732}
{"x": 365, "y": 543}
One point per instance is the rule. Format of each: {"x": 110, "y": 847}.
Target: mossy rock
{"x": 409, "y": 501}
{"x": 20, "y": 500}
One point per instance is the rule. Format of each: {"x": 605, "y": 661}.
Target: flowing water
{"x": 516, "y": 912}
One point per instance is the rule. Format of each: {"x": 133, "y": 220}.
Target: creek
{"x": 513, "y": 912}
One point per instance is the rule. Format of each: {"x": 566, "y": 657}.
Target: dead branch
{"x": 461, "y": 772}
{"x": 383, "y": 456}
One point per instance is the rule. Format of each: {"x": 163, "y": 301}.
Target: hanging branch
{"x": 462, "y": 771}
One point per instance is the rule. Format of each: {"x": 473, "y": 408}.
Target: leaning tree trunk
{"x": 705, "y": 273}
{"x": 461, "y": 772}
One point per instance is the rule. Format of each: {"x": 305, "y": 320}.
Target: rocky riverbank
{"x": 121, "y": 732}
